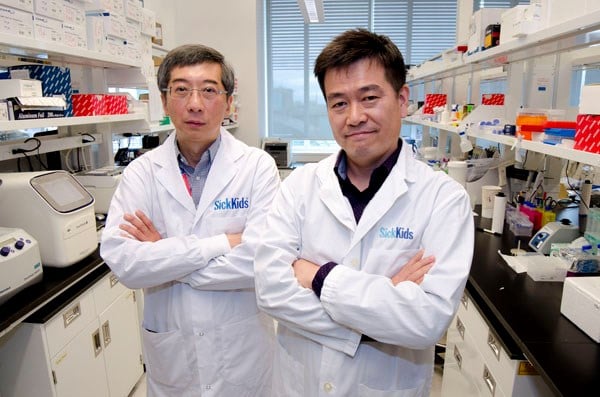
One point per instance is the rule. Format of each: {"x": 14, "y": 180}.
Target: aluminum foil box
{"x": 55, "y": 81}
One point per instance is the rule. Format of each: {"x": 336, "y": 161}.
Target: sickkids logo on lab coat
{"x": 233, "y": 203}
{"x": 396, "y": 232}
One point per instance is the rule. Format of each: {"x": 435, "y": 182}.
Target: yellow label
{"x": 525, "y": 368}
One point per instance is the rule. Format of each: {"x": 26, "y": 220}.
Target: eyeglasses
{"x": 182, "y": 92}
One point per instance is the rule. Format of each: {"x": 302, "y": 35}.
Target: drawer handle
{"x": 71, "y": 315}
{"x": 464, "y": 300}
{"x": 457, "y": 357}
{"x": 96, "y": 343}
{"x": 489, "y": 379}
{"x": 460, "y": 327}
{"x": 113, "y": 280}
{"x": 106, "y": 333}
{"x": 493, "y": 344}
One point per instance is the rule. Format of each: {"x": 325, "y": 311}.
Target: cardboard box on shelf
{"x": 20, "y": 87}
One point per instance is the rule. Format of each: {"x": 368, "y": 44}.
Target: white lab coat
{"x": 319, "y": 351}
{"x": 202, "y": 331}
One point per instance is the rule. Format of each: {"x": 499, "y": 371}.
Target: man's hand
{"x": 415, "y": 269}
{"x": 234, "y": 239}
{"x": 305, "y": 272}
{"x": 139, "y": 227}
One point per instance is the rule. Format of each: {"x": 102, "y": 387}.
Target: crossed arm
{"x": 414, "y": 270}
{"x": 139, "y": 227}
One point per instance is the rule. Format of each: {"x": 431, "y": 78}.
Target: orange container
{"x": 531, "y": 119}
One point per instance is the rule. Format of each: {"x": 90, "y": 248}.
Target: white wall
{"x": 230, "y": 26}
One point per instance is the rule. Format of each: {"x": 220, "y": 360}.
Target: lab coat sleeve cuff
{"x": 320, "y": 276}
{"x": 331, "y": 285}
{"x": 217, "y": 245}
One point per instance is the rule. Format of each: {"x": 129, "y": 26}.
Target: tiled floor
{"x": 140, "y": 388}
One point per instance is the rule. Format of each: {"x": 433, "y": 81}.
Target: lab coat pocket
{"x": 248, "y": 351}
{"x": 226, "y": 224}
{"x": 365, "y": 391}
{"x": 288, "y": 374}
{"x": 166, "y": 358}
{"x": 387, "y": 262}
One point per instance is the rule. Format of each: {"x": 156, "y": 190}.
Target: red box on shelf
{"x": 88, "y": 104}
{"x": 115, "y": 104}
{"x": 492, "y": 99}
{"x": 587, "y": 133}
{"x": 432, "y": 101}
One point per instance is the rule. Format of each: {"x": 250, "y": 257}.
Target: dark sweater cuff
{"x": 319, "y": 279}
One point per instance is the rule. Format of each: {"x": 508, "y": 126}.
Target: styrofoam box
{"x": 47, "y": 29}
{"x": 581, "y": 304}
{"x": 114, "y": 46}
{"x": 16, "y": 22}
{"x": 20, "y": 87}
{"x": 95, "y": 33}
{"x": 25, "y": 5}
{"x": 560, "y": 11}
{"x": 114, "y": 25}
{"x": 74, "y": 13}
{"x": 148, "y": 22}
{"x": 520, "y": 21}
{"x": 479, "y": 21}
{"x": 133, "y": 10}
{"x": 74, "y": 35}
{"x": 133, "y": 32}
{"x": 49, "y": 8}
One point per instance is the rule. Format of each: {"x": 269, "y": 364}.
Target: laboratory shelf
{"x": 35, "y": 49}
{"x": 13, "y": 125}
{"x": 513, "y": 142}
{"x": 569, "y": 35}
{"x": 540, "y": 147}
{"x": 426, "y": 122}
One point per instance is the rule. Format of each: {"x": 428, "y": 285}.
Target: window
{"x": 477, "y": 4}
{"x": 296, "y": 108}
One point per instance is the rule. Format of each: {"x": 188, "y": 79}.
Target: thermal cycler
{"x": 56, "y": 209}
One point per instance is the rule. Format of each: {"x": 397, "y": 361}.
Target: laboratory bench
{"x": 57, "y": 287}
{"x": 526, "y": 317}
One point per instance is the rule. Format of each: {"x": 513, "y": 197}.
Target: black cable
{"x": 92, "y": 138}
{"x": 578, "y": 193}
{"x": 25, "y": 151}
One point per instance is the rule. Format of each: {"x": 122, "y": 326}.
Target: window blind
{"x": 420, "y": 28}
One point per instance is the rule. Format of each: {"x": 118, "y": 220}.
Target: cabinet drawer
{"x": 106, "y": 291}
{"x": 461, "y": 363}
{"x": 70, "y": 321}
{"x": 511, "y": 377}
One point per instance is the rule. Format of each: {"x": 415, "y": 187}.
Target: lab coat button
{"x": 354, "y": 263}
{"x": 328, "y": 387}
{"x": 208, "y": 387}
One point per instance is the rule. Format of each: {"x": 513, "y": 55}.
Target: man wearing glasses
{"x": 183, "y": 225}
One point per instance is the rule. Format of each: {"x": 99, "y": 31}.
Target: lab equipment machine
{"x": 279, "y": 150}
{"x": 20, "y": 262}
{"x": 101, "y": 183}
{"x": 56, "y": 209}
{"x": 553, "y": 232}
